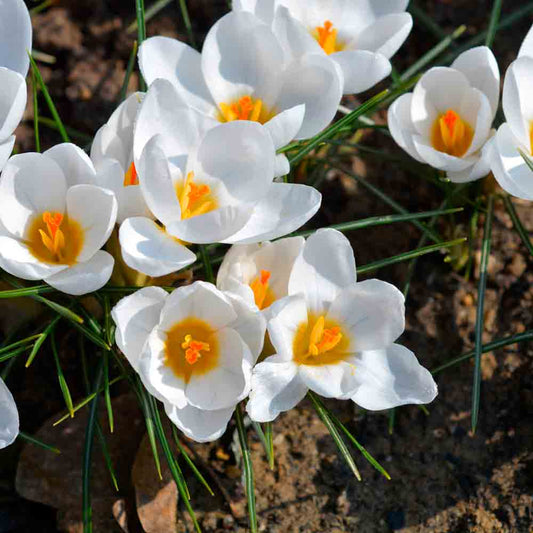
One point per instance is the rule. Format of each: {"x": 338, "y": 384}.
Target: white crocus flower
{"x": 193, "y": 349}
{"x": 112, "y": 155}
{"x": 446, "y": 122}
{"x": 9, "y": 417}
{"x": 243, "y": 73}
{"x": 360, "y": 36}
{"x": 335, "y": 336}
{"x": 15, "y": 43}
{"x": 204, "y": 182}
{"x": 54, "y": 220}
{"x": 516, "y": 135}
{"x": 259, "y": 273}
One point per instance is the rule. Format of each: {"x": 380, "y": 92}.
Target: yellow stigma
{"x": 263, "y": 295}
{"x": 451, "y": 134}
{"x": 54, "y": 239}
{"x": 131, "y": 177}
{"x": 245, "y": 108}
{"x": 191, "y": 348}
{"x": 194, "y": 199}
{"x": 326, "y": 36}
{"x": 318, "y": 342}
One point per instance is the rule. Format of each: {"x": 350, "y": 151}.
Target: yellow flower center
{"x": 54, "y": 239}
{"x": 451, "y": 134}
{"x": 318, "y": 342}
{"x": 191, "y": 348}
{"x": 326, "y": 36}
{"x": 131, "y": 177}
{"x": 263, "y": 295}
{"x": 245, "y": 108}
{"x": 195, "y": 199}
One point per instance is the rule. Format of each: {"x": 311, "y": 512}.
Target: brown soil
{"x": 444, "y": 479}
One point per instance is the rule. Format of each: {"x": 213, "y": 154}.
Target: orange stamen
{"x": 193, "y": 349}
{"x": 194, "y": 198}
{"x": 131, "y": 177}
{"x": 326, "y": 36}
{"x": 245, "y": 108}
{"x": 259, "y": 287}
{"x": 451, "y": 134}
{"x": 54, "y": 240}
{"x": 323, "y": 340}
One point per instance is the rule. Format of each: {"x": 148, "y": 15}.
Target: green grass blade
{"x": 493, "y": 23}
{"x": 49, "y": 101}
{"x": 330, "y": 425}
{"x": 489, "y": 347}
{"x": 129, "y": 70}
{"x": 517, "y": 223}
{"x": 248, "y": 470}
{"x": 482, "y": 285}
{"x": 26, "y": 291}
{"x": 270, "y": 444}
{"x": 17, "y": 344}
{"x": 37, "y": 442}
{"x": 107, "y": 394}
{"x": 61, "y": 377}
{"x": 141, "y": 33}
{"x": 208, "y": 269}
{"x": 426, "y": 21}
{"x": 35, "y": 113}
{"x": 150, "y": 430}
{"x": 71, "y": 132}
{"x": 264, "y": 441}
{"x": 151, "y": 12}
{"x": 13, "y": 353}
{"x": 61, "y": 310}
{"x": 107, "y": 456}
{"x": 42, "y": 337}
{"x": 187, "y": 22}
{"x": 408, "y": 255}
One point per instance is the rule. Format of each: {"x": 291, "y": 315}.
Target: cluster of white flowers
{"x": 195, "y": 161}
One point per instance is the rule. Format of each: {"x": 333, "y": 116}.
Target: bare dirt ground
{"x": 444, "y": 479}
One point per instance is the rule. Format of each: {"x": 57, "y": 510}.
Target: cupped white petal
{"x": 95, "y": 210}
{"x": 281, "y": 165}
{"x": 441, "y": 160}
{"x": 475, "y": 109}
{"x": 480, "y": 67}
{"x": 178, "y": 63}
{"x": 76, "y": 165}
{"x": 401, "y": 126}
{"x": 9, "y": 416}
{"x": 198, "y": 424}
{"x": 135, "y": 316}
{"x": 286, "y": 208}
{"x": 147, "y": 247}
{"x": 331, "y": 381}
{"x": 276, "y": 387}
{"x": 15, "y": 35}
{"x": 285, "y": 125}
{"x": 391, "y": 377}
{"x": 361, "y": 69}
{"x": 108, "y": 145}
{"x": 480, "y": 169}
{"x": 6, "y": 147}
{"x": 526, "y": 48}
{"x": 324, "y": 269}
{"x": 31, "y": 184}
{"x": 86, "y": 277}
{"x": 12, "y": 101}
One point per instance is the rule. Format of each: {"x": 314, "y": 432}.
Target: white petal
{"x": 316, "y": 81}
{"x": 324, "y": 269}
{"x": 285, "y": 125}
{"x": 263, "y": 9}
{"x": 15, "y": 35}
{"x": 480, "y": 67}
{"x": 276, "y": 387}
{"x": 135, "y": 317}
{"x": 441, "y": 160}
{"x": 76, "y": 165}
{"x": 372, "y": 312}
{"x": 286, "y": 208}
{"x": 9, "y": 416}
{"x": 228, "y": 383}
{"x": 475, "y": 109}
{"x": 86, "y": 277}
{"x": 200, "y": 425}
{"x": 361, "y": 69}
{"x": 526, "y": 48}
{"x": 401, "y": 127}
{"x": 330, "y": 381}
{"x": 146, "y": 247}
{"x": 392, "y": 377}
{"x": 12, "y": 101}
{"x": 6, "y": 148}
{"x": 281, "y": 165}
{"x": 386, "y": 35}
{"x": 172, "y": 60}
{"x": 508, "y": 166}
{"x": 241, "y": 56}
{"x": 31, "y": 184}
{"x": 480, "y": 169}
{"x": 95, "y": 209}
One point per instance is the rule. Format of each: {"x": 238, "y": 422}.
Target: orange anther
{"x": 326, "y": 36}
{"x": 193, "y": 349}
{"x": 260, "y": 287}
{"x": 131, "y": 177}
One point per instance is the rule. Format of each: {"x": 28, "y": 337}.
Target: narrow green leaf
{"x": 270, "y": 444}
{"x": 129, "y": 70}
{"x": 427, "y": 21}
{"x": 37, "y": 442}
{"x": 187, "y": 22}
{"x": 489, "y": 347}
{"x": 35, "y": 113}
{"x": 26, "y": 291}
{"x": 248, "y": 470}
{"x": 517, "y": 223}
{"x": 49, "y": 101}
{"x": 107, "y": 395}
{"x": 482, "y": 285}
{"x": 107, "y": 456}
{"x": 141, "y": 33}
{"x": 150, "y": 430}
{"x": 71, "y": 132}
{"x": 61, "y": 378}
{"x": 493, "y": 23}
{"x": 151, "y": 12}
{"x": 208, "y": 269}
{"x": 408, "y": 255}
{"x": 13, "y": 353}
{"x": 17, "y": 344}
{"x": 264, "y": 441}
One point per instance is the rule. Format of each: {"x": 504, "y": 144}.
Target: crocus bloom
{"x": 193, "y": 349}
{"x": 112, "y": 155}
{"x": 204, "y": 182}
{"x": 335, "y": 336}
{"x": 243, "y": 73}
{"x": 360, "y": 36}
{"x": 15, "y": 43}
{"x": 54, "y": 220}
{"x": 446, "y": 121}
{"x": 259, "y": 273}
{"x": 516, "y": 135}
{"x": 9, "y": 417}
